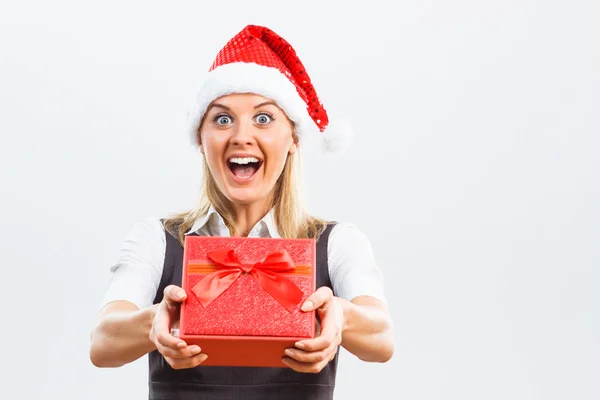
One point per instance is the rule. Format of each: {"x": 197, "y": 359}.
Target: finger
{"x": 317, "y": 299}
{"x": 191, "y": 362}
{"x": 179, "y": 354}
{"x": 311, "y": 368}
{"x": 160, "y": 332}
{"x": 317, "y": 344}
{"x": 327, "y": 337}
{"x": 164, "y": 338}
{"x": 173, "y": 295}
{"x": 332, "y": 356}
{"x": 312, "y": 356}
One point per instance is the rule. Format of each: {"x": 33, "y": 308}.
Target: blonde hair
{"x": 291, "y": 218}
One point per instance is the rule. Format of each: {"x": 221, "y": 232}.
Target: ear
{"x": 199, "y": 139}
{"x": 293, "y": 148}
{"x": 294, "y": 145}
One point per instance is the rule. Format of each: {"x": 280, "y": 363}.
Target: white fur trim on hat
{"x": 271, "y": 83}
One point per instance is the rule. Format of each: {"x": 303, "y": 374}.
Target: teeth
{"x": 244, "y": 160}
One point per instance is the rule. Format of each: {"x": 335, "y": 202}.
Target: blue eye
{"x": 264, "y": 118}
{"x": 223, "y": 119}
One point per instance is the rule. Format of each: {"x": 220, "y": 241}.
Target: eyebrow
{"x": 265, "y": 103}
{"x": 220, "y": 106}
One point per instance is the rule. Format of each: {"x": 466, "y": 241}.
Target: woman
{"x": 254, "y": 111}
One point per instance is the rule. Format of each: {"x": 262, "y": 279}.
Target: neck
{"x": 248, "y": 215}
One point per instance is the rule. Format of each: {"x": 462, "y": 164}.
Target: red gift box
{"x": 244, "y": 297}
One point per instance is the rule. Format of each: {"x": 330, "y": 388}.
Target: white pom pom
{"x": 337, "y": 137}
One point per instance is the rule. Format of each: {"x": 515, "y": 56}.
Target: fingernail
{"x": 307, "y": 305}
{"x": 196, "y": 350}
{"x": 300, "y": 345}
{"x": 181, "y": 345}
{"x": 288, "y": 352}
{"x": 180, "y": 295}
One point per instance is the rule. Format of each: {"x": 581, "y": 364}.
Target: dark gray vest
{"x": 236, "y": 383}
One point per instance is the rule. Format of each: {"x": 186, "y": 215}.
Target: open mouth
{"x": 244, "y": 168}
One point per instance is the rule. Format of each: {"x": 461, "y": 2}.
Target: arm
{"x": 122, "y": 334}
{"x": 367, "y": 330}
{"x": 359, "y": 286}
{"x": 356, "y": 317}
{"x": 362, "y": 327}
{"x": 125, "y": 333}
{"x": 130, "y": 326}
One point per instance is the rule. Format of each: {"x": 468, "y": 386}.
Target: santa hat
{"x": 259, "y": 61}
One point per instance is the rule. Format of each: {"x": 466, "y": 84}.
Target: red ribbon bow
{"x": 266, "y": 272}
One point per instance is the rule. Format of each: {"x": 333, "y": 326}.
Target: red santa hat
{"x": 257, "y": 60}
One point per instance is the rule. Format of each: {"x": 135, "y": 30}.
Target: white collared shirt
{"x": 136, "y": 273}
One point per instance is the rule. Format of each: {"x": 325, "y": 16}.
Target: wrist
{"x": 149, "y": 313}
{"x": 347, "y": 309}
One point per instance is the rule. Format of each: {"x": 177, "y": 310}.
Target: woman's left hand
{"x": 312, "y": 355}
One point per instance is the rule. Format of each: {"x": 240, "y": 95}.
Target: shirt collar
{"x": 203, "y": 220}
{"x": 268, "y": 222}
{"x": 265, "y": 227}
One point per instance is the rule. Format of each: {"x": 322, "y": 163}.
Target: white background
{"x": 474, "y": 171}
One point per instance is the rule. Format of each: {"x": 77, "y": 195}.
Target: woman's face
{"x": 246, "y": 139}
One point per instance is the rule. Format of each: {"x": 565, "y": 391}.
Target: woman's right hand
{"x": 175, "y": 351}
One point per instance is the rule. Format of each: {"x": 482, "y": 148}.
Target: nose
{"x": 242, "y": 134}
